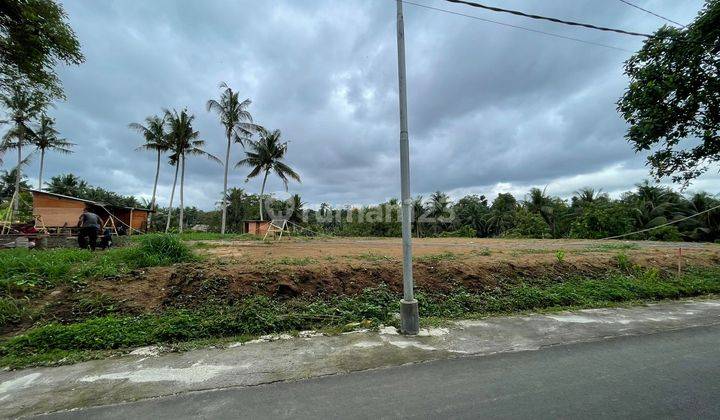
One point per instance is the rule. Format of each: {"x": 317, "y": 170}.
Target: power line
{"x": 664, "y": 224}
{"x": 652, "y": 13}
{"x": 551, "y": 19}
{"x": 516, "y": 26}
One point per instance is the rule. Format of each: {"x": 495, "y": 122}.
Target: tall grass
{"x": 26, "y": 269}
{"x": 261, "y": 315}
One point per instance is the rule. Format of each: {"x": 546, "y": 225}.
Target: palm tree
{"x": 267, "y": 155}
{"x": 23, "y": 106}
{"x": 67, "y": 184}
{"x": 418, "y": 211}
{"x": 184, "y": 141}
{"x": 155, "y": 140}
{"x": 238, "y": 124}
{"x": 296, "y": 204}
{"x": 174, "y": 158}
{"x": 46, "y": 138}
{"x": 438, "y": 208}
{"x": 587, "y": 195}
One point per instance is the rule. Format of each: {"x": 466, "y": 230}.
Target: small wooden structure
{"x": 62, "y": 211}
{"x": 277, "y": 228}
{"x": 256, "y": 227}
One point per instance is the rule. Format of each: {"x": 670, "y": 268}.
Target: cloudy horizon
{"x": 491, "y": 108}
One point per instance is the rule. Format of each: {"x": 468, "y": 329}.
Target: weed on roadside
{"x": 435, "y": 258}
{"x": 370, "y": 256}
{"x": 259, "y": 315}
{"x": 613, "y": 247}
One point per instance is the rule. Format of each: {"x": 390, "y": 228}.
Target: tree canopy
{"x": 673, "y": 100}
{"x": 34, "y": 37}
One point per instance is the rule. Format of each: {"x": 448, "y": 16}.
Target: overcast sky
{"x": 491, "y": 108}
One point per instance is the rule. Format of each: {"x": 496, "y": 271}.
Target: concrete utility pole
{"x": 409, "y": 317}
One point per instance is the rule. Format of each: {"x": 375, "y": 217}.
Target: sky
{"x": 491, "y": 108}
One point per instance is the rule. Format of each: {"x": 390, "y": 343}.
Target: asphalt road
{"x": 675, "y": 374}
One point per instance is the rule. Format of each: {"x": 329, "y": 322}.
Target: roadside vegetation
{"x": 54, "y": 343}
{"x": 27, "y": 274}
{"x": 24, "y": 270}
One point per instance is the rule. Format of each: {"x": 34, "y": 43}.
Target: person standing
{"x": 89, "y": 224}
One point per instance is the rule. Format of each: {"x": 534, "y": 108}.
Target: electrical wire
{"x": 664, "y": 224}
{"x": 551, "y": 19}
{"x": 652, "y": 13}
{"x": 597, "y": 44}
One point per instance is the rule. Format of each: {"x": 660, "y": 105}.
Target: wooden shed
{"x": 256, "y": 227}
{"x": 58, "y": 211}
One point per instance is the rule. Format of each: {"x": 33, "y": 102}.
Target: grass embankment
{"x": 261, "y": 315}
{"x": 25, "y": 274}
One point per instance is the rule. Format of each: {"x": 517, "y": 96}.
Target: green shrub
{"x": 262, "y": 315}
{"x": 25, "y": 270}
{"x": 462, "y": 232}
{"x": 560, "y": 256}
{"x": 623, "y": 261}
{"x": 665, "y": 233}
{"x": 161, "y": 249}
{"x": 11, "y": 310}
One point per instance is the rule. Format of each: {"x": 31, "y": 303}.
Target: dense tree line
{"x": 73, "y": 186}
{"x": 667, "y": 215}
{"x": 587, "y": 214}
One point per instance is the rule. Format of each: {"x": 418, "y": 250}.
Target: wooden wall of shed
{"x": 257, "y": 227}
{"x": 57, "y": 212}
{"x": 139, "y": 218}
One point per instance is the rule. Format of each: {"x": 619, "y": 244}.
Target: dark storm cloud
{"x": 491, "y": 108}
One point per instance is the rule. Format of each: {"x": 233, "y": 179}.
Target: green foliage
{"x": 22, "y": 269}
{"x": 34, "y": 38}
{"x": 370, "y": 256}
{"x": 7, "y": 182}
{"x": 645, "y": 285}
{"x": 560, "y": 256}
{"x": 253, "y": 316}
{"x": 267, "y": 155}
{"x": 672, "y": 96}
{"x": 623, "y": 262}
{"x": 462, "y": 232}
{"x": 613, "y": 247}
{"x": 71, "y": 185}
{"x": 11, "y": 310}
{"x": 528, "y": 225}
{"x": 262, "y": 315}
{"x": 665, "y": 233}
{"x": 162, "y": 249}
{"x": 436, "y": 258}
{"x": 602, "y": 220}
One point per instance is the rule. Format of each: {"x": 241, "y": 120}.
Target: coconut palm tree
{"x": 296, "y": 204}
{"x": 155, "y": 140}
{"x": 174, "y": 158}
{"x": 23, "y": 105}
{"x": 238, "y": 125}
{"x": 418, "y": 212}
{"x": 266, "y": 155}
{"x": 67, "y": 184}
{"x": 587, "y": 195}
{"x": 46, "y": 138}
{"x": 439, "y": 209}
{"x": 184, "y": 142}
